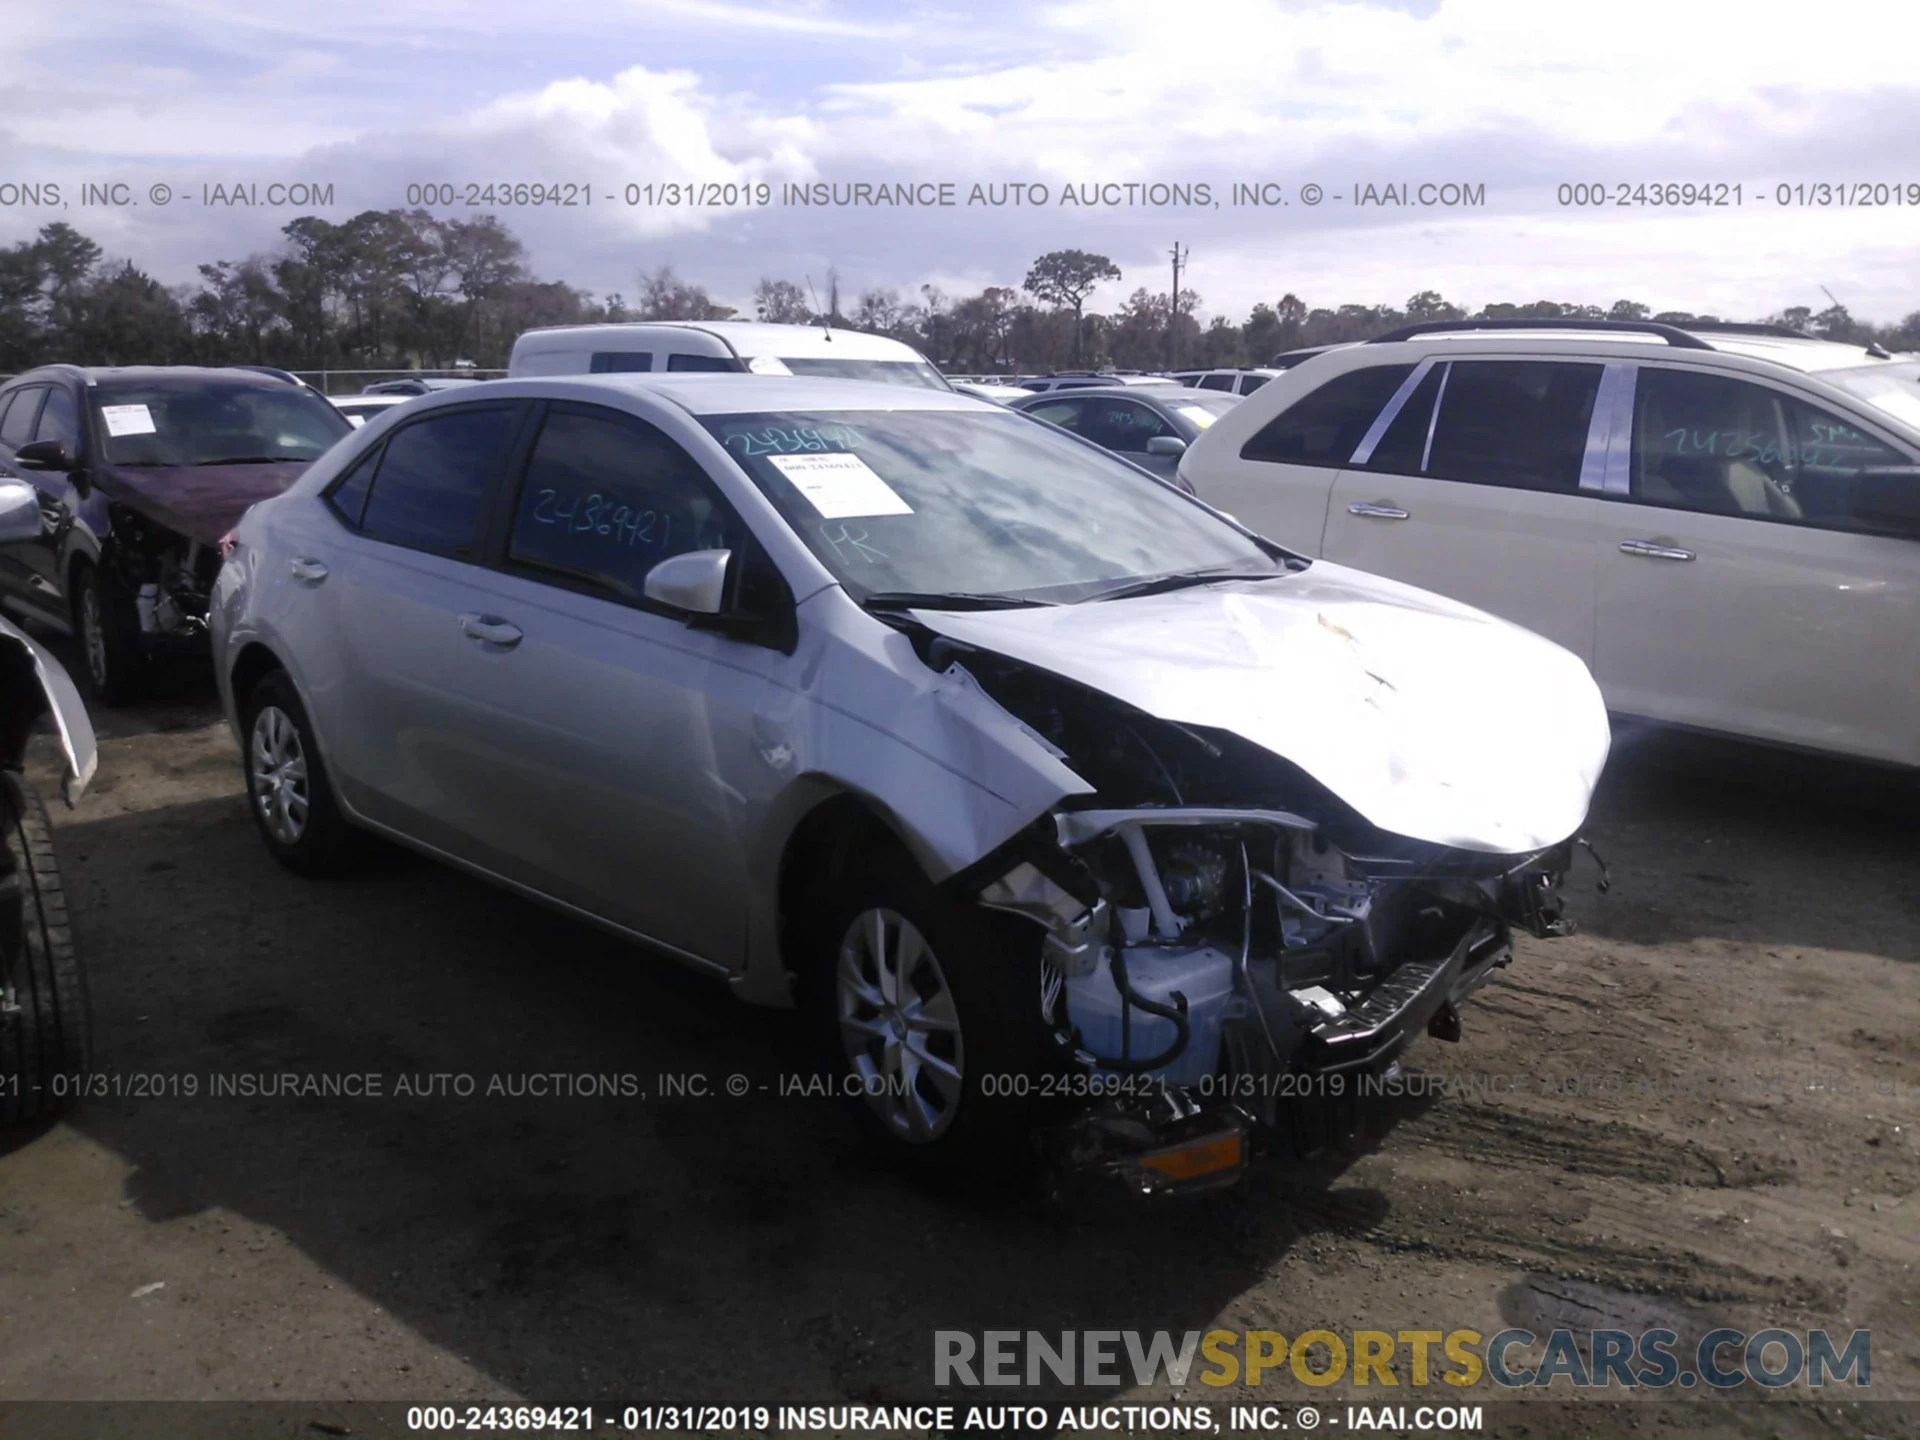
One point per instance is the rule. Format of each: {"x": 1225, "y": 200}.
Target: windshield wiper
{"x": 945, "y": 600}
{"x": 253, "y": 460}
{"x": 1181, "y": 580}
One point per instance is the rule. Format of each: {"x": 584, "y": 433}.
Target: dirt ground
{"x": 1703, "y": 1108}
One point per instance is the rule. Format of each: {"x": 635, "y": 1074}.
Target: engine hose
{"x": 1129, "y": 998}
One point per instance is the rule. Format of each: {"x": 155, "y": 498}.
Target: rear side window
{"x": 702, "y": 363}
{"x": 432, "y": 482}
{"x": 16, "y": 428}
{"x": 1216, "y": 382}
{"x": 1251, "y": 383}
{"x": 607, "y": 497}
{"x": 1515, "y": 423}
{"x": 348, "y": 495}
{"x": 620, "y": 362}
{"x": 1324, "y": 426}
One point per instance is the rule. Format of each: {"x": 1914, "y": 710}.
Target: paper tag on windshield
{"x": 840, "y": 486}
{"x": 127, "y": 419}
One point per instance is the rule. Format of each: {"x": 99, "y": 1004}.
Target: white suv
{"x": 1724, "y": 521}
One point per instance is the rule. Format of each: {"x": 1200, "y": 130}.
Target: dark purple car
{"x": 141, "y": 471}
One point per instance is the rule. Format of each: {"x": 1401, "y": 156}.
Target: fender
{"x": 54, "y": 691}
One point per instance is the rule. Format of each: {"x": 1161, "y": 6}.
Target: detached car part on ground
{"x": 45, "y": 1019}
{"x": 140, "y": 471}
{"x": 1065, "y": 806}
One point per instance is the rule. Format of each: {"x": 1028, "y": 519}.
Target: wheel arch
{"x": 253, "y": 664}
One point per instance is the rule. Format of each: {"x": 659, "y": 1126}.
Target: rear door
{"x": 1742, "y": 589}
{"x": 1279, "y": 482}
{"x": 390, "y": 595}
{"x": 1485, "y": 487}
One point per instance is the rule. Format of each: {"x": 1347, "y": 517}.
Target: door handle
{"x": 490, "y": 630}
{"x": 1376, "y": 511}
{"x": 309, "y": 570}
{"x": 1653, "y": 550}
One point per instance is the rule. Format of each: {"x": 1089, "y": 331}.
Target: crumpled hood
{"x": 201, "y": 502}
{"x": 1433, "y": 720}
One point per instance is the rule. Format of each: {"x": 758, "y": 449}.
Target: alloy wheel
{"x": 899, "y": 1026}
{"x": 279, "y": 772}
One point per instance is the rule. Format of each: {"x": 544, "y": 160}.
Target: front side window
{"x": 1067, "y": 414}
{"x": 1123, "y": 425}
{"x": 1324, "y": 426}
{"x": 1730, "y": 447}
{"x": 60, "y": 420}
{"x": 947, "y": 501}
{"x": 620, "y": 362}
{"x": 1517, "y": 423}
{"x": 210, "y": 422}
{"x": 607, "y": 497}
{"x": 1216, "y": 382}
{"x": 16, "y": 427}
{"x": 431, "y": 485}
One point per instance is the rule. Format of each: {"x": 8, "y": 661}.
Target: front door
{"x": 1741, "y": 591}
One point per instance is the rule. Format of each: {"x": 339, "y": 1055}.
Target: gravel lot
{"x": 1742, "y": 1012}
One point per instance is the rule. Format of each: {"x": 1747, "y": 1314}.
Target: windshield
{"x": 1892, "y": 389}
{"x": 917, "y": 373}
{"x": 932, "y": 501}
{"x": 213, "y": 422}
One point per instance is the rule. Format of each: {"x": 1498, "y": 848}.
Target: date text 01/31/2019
{"x": 1728, "y": 195}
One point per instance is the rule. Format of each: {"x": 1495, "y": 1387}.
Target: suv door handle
{"x": 490, "y": 630}
{"x": 1653, "y": 550}
{"x": 1375, "y": 510}
{"x": 305, "y": 569}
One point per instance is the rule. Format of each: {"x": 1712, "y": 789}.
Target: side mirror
{"x": 695, "y": 582}
{"x": 1166, "y": 445}
{"x": 19, "y": 511}
{"x": 43, "y": 455}
{"x": 1887, "y": 497}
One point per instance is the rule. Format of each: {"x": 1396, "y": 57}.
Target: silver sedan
{"x": 1022, "y": 773}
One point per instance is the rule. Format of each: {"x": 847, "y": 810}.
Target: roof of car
{"x": 165, "y": 374}
{"x": 1808, "y": 354}
{"x": 747, "y": 337}
{"x": 736, "y": 394}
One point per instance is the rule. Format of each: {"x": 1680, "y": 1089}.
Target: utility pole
{"x": 1180, "y": 258}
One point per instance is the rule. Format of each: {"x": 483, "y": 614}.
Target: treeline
{"x": 392, "y": 289}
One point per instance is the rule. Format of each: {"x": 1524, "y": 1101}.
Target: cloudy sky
{"x": 1515, "y": 96}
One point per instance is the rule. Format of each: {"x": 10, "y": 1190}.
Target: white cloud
{"x": 1511, "y": 94}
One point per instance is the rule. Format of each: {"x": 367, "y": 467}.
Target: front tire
{"x": 108, "y": 626}
{"x": 46, "y": 1044}
{"x": 287, "y": 786}
{"x": 928, "y": 1016}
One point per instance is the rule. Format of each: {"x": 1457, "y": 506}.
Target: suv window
{"x": 1215, "y": 382}
{"x": 1251, "y": 383}
{"x": 1068, "y": 414}
{"x": 607, "y": 497}
{"x": 1724, "y": 446}
{"x": 1517, "y": 423}
{"x": 1323, "y": 426}
{"x": 620, "y": 362}
{"x": 16, "y": 428}
{"x": 433, "y": 477}
{"x": 703, "y": 364}
{"x": 60, "y": 420}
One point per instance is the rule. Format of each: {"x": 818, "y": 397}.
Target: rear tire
{"x": 46, "y": 1049}
{"x": 107, "y": 624}
{"x": 927, "y": 1013}
{"x": 287, "y": 786}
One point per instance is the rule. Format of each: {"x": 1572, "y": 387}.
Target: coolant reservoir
{"x": 1204, "y": 976}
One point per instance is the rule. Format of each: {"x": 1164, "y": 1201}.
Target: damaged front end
{"x": 1227, "y": 941}
{"x": 168, "y": 576}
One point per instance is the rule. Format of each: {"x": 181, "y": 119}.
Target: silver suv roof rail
{"x": 1672, "y": 334}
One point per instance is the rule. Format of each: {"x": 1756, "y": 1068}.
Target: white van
{"x": 739, "y": 345}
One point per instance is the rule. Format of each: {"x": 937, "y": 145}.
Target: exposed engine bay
{"x": 1216, "y": 921}
{"x": 169, "y": 576}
